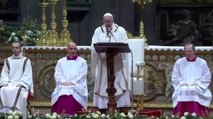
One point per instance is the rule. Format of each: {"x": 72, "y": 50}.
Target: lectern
{"x": 111, "y": 49}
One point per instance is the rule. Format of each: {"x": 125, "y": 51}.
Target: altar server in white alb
{"x": 110, "y": 32}
{"x": 191, "y": 78}
{"x": 16, "y": 81}
{"x": 71, "y": 93}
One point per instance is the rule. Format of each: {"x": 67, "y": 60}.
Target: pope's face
{"x": 108, "y": 21}
{"x": 16, "y": 48}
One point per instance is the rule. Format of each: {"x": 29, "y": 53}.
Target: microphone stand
{"x": 132, "y": 100}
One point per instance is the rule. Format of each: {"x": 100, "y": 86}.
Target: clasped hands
{"x": 18, "y": 85}
{"x": 67, "y": 83}
{"x": 186, "y": 84}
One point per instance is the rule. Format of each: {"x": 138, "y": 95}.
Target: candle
{"x": 138, "y": 86}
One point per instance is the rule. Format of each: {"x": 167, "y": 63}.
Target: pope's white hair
{"x": 108, "y": 14}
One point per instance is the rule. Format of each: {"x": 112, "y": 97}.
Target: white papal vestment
{"x": 192, "y": 73}
{"x": 16, "y": 72}
{"x": 99, "y": 68}
{"x": 74, "y": 71}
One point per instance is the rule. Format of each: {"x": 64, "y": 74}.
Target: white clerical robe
{"x": 74, "y": 71}
{"x": 16, "y": 72}
{"x": 192, "y": 73}
{"x": 99, "y": 68}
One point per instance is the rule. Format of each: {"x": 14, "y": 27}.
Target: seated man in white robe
{"x": 16, "y": 81}
{"x": 110, "y": 32}
{"x": 71, "y": 93}
{"x": 191, "y": 79}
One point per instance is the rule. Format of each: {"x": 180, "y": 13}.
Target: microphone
{"x": 108, "y": 31}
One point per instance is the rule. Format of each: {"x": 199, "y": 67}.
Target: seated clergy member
{"x": 191, "y": 79}
{"x": 16, "y": 80}
{"x": 71, "y": 93}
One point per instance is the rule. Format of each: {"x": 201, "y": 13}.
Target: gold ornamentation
{"x": 40, "y": 103}
{"x": 44, "y": 33}
{"x": 141, "y": 36}
{"x": 53, "y": 35}
{"x": 142, "y": 2}
{"x": 50, "y": 37}
{"x": 65, "y": 35}
{"x": 157, "y": 74}
{"x": 142, "y": 31}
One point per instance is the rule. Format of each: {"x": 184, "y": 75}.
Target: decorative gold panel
{"x": 43, "y": 63}
{"x": 158, "y": 70}
{"x": 159, "y": 63}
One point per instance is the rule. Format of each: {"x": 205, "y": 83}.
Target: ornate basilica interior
{"x": 163, "y": 25}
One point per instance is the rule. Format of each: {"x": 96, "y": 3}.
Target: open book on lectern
{"x": 115, "y": 47}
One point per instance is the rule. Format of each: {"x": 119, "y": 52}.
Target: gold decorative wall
{"x": 43, "y": 61}
{"x": 52, "y": 37}
{"x": 159, "y": 63}
{"x": 158, "y": 70}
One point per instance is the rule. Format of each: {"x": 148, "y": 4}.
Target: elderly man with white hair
{"x": 110, "y": 32}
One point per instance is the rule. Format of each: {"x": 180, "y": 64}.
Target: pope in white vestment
{"x": 16, "y": 81}
{"x": 71, "y": 93}
{"x": 110, "y": 32}
{"x": 191, "y": 78}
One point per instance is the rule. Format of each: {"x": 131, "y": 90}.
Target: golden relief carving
{"x": 163, "y": 61}
{"x": 154, "y": 80}
{"x": 43, "y": 63}
{"x": 157, "y": 76}
{"x": 46, "y": 83}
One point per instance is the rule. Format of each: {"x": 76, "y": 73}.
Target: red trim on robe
{"x": 191, "y": 107}
{"x": 72, "y": 58}
{"x": 66, "y": 104}
{"x": 191, "y": 60}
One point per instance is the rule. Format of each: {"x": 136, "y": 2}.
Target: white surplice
{"x": 74, "y": 71}
{"x": 191, "y": 72}
{"x": 16, "y": 73}
{"x": 99, "y": 68}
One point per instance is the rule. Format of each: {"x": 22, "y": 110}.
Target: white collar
{"x": 17, "y": 57}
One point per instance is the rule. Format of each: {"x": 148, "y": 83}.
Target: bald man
{"x": 110, "y": 32}
{"x": 71, "y": 93}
